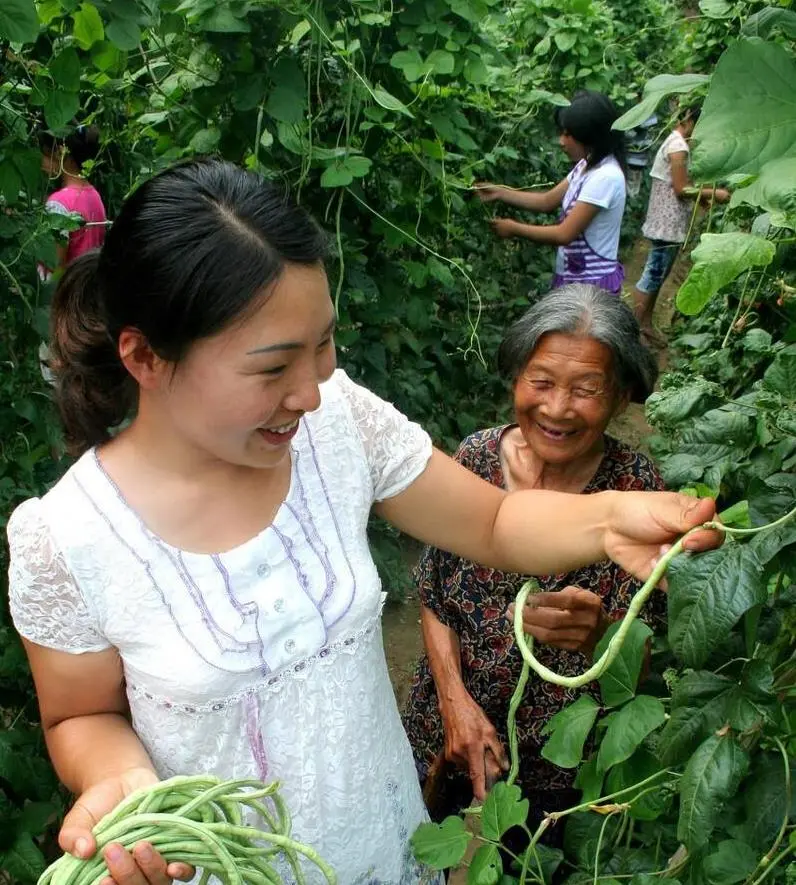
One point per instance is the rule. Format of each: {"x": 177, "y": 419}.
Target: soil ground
{"x": 401, "y": 622}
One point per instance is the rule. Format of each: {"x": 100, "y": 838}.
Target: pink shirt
{"x": 84, "y": 200}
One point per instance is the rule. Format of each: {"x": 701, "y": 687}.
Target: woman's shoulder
{"x": 624, "y": 468}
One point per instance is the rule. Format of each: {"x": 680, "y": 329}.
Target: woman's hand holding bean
{"x": 572, "y": 619}
{"x": 143, "y": 866}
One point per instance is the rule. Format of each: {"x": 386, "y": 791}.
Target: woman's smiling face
{"x": 565, "y": 397}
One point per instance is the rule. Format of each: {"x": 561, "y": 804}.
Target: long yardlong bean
{"x": 200, "y": 821}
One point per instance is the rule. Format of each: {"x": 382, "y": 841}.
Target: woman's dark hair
{"x": 587, "y": 310}
{"x": 588, "y": 119}
{"x": 82, "y": 143}
{"x": 190, "y": 252}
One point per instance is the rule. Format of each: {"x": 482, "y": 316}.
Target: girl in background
{"x": 591, "y": 199}
{"x": 64, "y": 159}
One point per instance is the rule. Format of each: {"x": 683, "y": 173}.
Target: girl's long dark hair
{"x": 191, "y": 251}
{"x": 589, "y": 119}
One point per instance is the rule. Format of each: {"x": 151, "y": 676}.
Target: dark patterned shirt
{"x": 472, "y": 600}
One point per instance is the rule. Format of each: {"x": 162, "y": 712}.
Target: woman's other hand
{"x": 486, "y": 192}
{"x": 472, "y": 743}
{"x": 504, "y": 227}
{"x": 142, "y": 866}
{"x": 572, "y": 619}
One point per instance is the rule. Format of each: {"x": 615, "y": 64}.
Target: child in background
{"x": 591, "y": 198}
{"x": 668, "y": 217}
{"x": 64, "y": 159}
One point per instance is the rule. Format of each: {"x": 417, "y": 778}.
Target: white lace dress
{"x": 265, "y": 661}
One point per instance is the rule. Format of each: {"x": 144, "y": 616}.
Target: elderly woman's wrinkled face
{"x": 565, "y": 397}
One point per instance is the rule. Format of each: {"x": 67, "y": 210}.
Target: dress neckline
{"x": 121, "y": 502}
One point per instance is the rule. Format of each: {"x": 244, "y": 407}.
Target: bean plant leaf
{"x": 707, "y": 596}
{"x": 717, "y": 9}
{"x": 773, "y": 191}
{"x": 60, "y": 108}
{"x": 627, "y": 728}
{"x": 411, "y": 63}
{"x": 503, "y": 809}
{"x": 65, "y": 70}
{"x": 671, "y": 406}
{"x": 342, "y": 172}
{"x": 749, "y": 116}
{"x": 765, "y": 802}
{"x": 699, "y": 707}
{"x": 441, "y": 61}
{"x": 285, "y": 104}
{"x": 709, "y": 781}
{"x": 18, "y": 21}
{"x": 655, "y": 90}
{"x": 88, "y": 27}
{"x": 390, "y": 102}
{"x": 486, "y": 867}
{"x": 568, "y": 731}
{"x": 590, "y": 780}
{"x": 441, "y": 846}
{"x": 23, "y": 860}
{"x": 732, "y": 862}
{"x": 124, "y": 33}
{"x": 780, "y": 376}
{"x": 618, "y": 683}
{"x": 766, "y": 20}
{"x": 639, "y": 767}
{"x": 717, "y": 260}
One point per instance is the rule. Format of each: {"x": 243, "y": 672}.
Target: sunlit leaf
{"x": 655, "y": 91}
{"x": 568, "y": 731}
{"x": 627, "y": 728}
{"x": 618, "y": 683}
{"x": 503, "y": 809}
{"x": 18, "y": 21}
{"x": 441, "y": 846}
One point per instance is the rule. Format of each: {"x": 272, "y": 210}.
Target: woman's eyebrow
{"x": 289, "y": 345}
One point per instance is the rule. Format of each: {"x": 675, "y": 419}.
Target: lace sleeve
{"x": 397, "y": 449}
{"x": 46, "y": 604}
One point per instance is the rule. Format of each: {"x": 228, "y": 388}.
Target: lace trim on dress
{"x": 348, "y": 644}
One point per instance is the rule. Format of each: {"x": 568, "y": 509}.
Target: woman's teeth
{"x": 554, "y": 433}
{"x": 283, "y": 428}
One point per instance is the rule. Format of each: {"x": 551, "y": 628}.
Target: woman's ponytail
{"x": 93, "y": 390}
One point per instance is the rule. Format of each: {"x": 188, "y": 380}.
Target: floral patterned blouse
{"x": 472, "y": 600}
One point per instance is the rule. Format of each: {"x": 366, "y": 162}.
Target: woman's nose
{"x": 305, "y": 395}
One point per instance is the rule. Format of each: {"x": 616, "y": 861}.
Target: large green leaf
{"x": 60, "y": 108}
{"x": 749, "y": 116}
{"x": 781, "y": 374}
{"x": 765, "y": 802}
{"x": 763, "y": 22}
{"x": 590, "y": 780}
{"x": 503, "y": 809}
{"x": 671, "y": 406}
{"x": 707, "y": 596}
{"x": 411, "y": 63}
{"x": 285, "y": 104}
{"x": 18, "y": 21}
{"x": 618, "y": 683}
{"x": 342, "y": 172}
{"x": 655, "y": 90}
{"x": 731, "y": 862}
{"x": 719, "y": 259}
{"x": 641, "y": 765}
{"x": 486, "y": 867}
{"x": 124, "y": 33}
{"x": 568, "y": 731}
{"x": 65, "y": 70}
{"x": 627, "y": 728}
{"x": 774, "y": 191}
{"x": 709, "y": 781}
{"x": 699, "y": 707}
{"x": 23, "y": 860}
{"x": 441, "y": 846}
{"x": 88, "y": 27}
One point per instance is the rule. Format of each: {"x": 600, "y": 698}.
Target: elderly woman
{"x": 575, "y": 360}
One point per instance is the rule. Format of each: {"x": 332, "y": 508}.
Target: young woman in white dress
{"x": 197, "y": 594}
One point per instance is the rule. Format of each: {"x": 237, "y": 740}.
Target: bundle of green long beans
{"x": 200, "y": 821}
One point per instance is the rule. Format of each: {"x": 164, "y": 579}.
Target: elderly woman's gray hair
{"x": 582, "y": 309}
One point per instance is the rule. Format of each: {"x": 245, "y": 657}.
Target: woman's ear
{"x": 137, "y": 356}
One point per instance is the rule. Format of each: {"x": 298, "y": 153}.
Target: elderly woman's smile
{"x": 565, "y": 397}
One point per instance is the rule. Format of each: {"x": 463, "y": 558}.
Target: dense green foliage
{"x": 687, "y": 776}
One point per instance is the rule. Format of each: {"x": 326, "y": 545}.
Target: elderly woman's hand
{"x": 472, "y": 743}
{"x": 572, "y": 619}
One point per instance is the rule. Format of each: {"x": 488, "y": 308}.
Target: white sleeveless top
{"x": 265, "y": 661}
